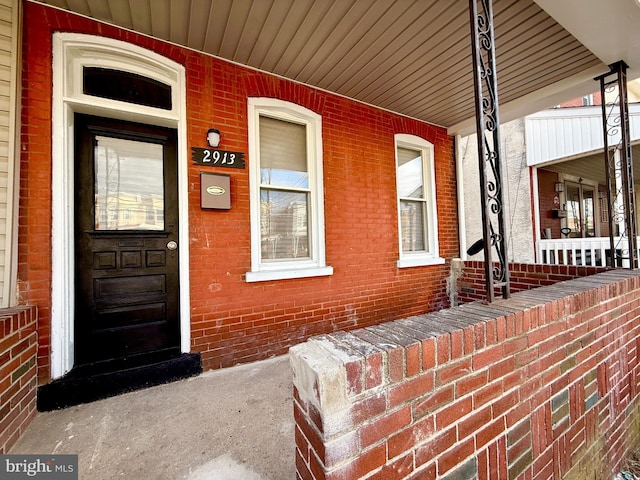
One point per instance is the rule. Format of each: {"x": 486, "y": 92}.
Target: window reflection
{"x": 410, "y": 173}
{"x": 129, "y": 186}
{"x": 580, "y": 200}
{"x": 283, "y": 224}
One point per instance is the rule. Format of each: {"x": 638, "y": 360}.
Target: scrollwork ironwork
{"x": 619, "y": 167}
{"x": 488, "y": 132}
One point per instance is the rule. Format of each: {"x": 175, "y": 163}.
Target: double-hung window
{"x": 417, "y": 213}
{"x": 287, "y": 215}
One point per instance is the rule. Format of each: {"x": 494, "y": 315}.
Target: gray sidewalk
{"x": 230, "y": 424}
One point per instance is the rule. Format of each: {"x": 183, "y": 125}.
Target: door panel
{"x": 127, "y": 290}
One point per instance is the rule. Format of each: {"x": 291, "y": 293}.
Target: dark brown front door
{"x": 126, "y": 234}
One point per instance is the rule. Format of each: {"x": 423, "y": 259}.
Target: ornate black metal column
{"x": 488, "y": 131}
{"x": 619, "y": 167}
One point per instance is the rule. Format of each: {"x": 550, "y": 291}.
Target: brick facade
{"x": 541, "y": 386}
{"x": 546, "y": 195}
{"x": 18, "y": 350}
{"x": 233, "y": 321}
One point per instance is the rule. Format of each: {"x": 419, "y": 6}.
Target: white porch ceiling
{"x": 410, "y": 57}
{"x": 591, "y": 166}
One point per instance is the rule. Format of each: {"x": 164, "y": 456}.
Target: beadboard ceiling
{"x": 410, "y": 57}
{"x": 592, "y": 166}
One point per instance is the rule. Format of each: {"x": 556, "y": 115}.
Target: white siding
{"x": 10, "y": 28}
{"x": 569, "y": 132}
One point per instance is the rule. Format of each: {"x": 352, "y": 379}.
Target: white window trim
{"x": 316, "y": 265}
{"x": 430, "y": 256}
{"x": 70, "y": 52}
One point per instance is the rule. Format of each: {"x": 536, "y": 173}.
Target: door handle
{"x": 172, "y": 245}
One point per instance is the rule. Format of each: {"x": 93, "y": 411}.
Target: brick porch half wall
{"x": 18, "y": 354}
{"x": 543, "y": 385}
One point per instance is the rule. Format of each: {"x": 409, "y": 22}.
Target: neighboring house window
{"x": 417, "y": 215}
{"x": 287, "y": 216}
{"x": 587, "y": 100}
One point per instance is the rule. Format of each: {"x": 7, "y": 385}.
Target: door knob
{"x": 172, "y": 245}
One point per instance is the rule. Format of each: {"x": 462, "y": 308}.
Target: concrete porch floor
{"x": 230, "y": 424}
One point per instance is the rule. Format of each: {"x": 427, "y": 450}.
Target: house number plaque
{"x": 217, "y": 158}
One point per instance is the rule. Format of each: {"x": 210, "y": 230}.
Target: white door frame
{"x": 565, "y": 177}
{"x": 70, "y": 53}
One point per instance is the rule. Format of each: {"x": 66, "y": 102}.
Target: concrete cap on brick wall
{"x": 319, "y": 375}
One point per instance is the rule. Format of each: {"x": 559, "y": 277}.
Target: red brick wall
{"x": 546, "y": 194}
{"x": 470, "y": 285}
{"x": 541, "y": 386}
{"x": 233, "y": 321}
{"x": 18, "y": 350}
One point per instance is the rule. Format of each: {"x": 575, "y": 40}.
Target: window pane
{"x": 410, "y": 173}
{"x": 284, "y": 225}
{"x": 126, "y": 87}
{"x": 129, "y": 186}
{"x": 588, "y": 201}
{"x": 412, "y": 226}
{"x": 283, "y": 153}
{"x": 574, "y": 219}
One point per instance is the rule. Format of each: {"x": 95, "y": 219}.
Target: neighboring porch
{"x": 587, "y": 252}
{"x": 565, "y": 149}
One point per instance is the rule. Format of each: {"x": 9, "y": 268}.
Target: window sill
{"x": 285, "y": 274}
{"x": 420, "y": 261}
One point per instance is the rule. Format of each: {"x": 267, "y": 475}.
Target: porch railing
{"x": 592, "y": 252}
